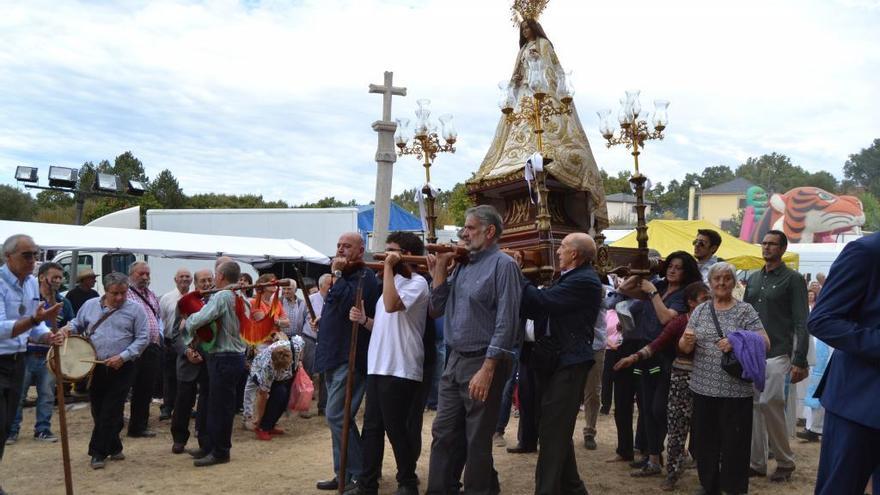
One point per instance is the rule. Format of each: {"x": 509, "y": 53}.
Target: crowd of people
{"x": 709, "y": 361}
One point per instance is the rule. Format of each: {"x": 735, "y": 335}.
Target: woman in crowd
{"x": 268, "y": 384}
{"x": 722, "y": 423}
{"x": 656, "y": 305}
{"x": 679, "y": 404}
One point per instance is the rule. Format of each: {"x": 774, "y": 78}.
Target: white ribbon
{"x": 534, "y": 164}
{"x": 421, "y": 199}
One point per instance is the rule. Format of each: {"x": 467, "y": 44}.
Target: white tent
{"x": 162, "y": 244}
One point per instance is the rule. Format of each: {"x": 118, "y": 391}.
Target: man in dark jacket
{"x": 564, "y": 315}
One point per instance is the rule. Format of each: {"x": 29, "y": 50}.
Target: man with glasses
{"x": 705, "y": 245}
{"x": 779, "y": 294}
{"x": 22, "y": 317}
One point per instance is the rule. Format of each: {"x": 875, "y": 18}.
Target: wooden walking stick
{"x": 297, "y": 276}
{"x": 62, "y": 410}
{"x": 346, "y": 419}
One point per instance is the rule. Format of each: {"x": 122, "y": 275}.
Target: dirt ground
{"x": 291, "y": 464}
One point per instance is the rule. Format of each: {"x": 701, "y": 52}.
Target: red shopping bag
{"x": 301, "y": 392}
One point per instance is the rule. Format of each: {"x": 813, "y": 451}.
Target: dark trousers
{"x": 279, "y": 394}
{"x": 625, "y": 383}
{"x": 722, "y": 431}
{"x": 611, "y": 358}
{"x": 183, "y": 405}
{"x": 529, "y": 401}
{"x": 224, "y": 371}
{"x": 169, "y": 377}
{"x": 107, "y": 394}
{"x": 11, "y": 378}
{"x": 415, "y": 418}
{"x": 322, "y": 392}
{"x": 463, "y": 422}
{"x": 653, "y": 392}
{"x": 146, "y": 367}
{"x": 507, "y": 397}
{"x": 388, "y": 406}
{"x": 848, "y": 457}
{"x": 562, "y": 393}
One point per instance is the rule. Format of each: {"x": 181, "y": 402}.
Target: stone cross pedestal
{"x": 385, "y": 158}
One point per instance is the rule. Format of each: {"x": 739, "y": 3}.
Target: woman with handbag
{"x": 722, "y": 419}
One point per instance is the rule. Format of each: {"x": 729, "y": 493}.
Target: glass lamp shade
{"x": 632, "y": 102}
{"x": 537, "y": 79}
{"x": 448, "y": 128}
{"x": 507, "y": 97}
{"x": 661, "y": 119}
{"x": 403, "y": 133}
{"x": 423, "y": 124}
{"x": 624, "y": 117}
{"x": 604, "y": 123}
{"x": 564, "y": 86}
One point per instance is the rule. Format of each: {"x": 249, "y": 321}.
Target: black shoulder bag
{"x": 729, "y": 363}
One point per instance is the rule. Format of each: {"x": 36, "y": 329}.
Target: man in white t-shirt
{"x": 394, "y": 366}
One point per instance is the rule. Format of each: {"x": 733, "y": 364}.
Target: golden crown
{"x": 522, "y": 10}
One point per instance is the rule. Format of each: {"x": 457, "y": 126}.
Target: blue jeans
{"x": 36, "y": 373}
{"x": 507, "y": 396}
{"x": 223, "y": 372}
{"x": 335, "y": 380}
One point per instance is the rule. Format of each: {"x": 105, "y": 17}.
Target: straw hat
{"x": 84, "y": 274}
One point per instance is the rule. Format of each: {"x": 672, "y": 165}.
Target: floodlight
{"x": 26, "y": 174}
{"x": 62, "y": 177}
{"x": 136, "y": 188}
{"x": 106, "y": 182}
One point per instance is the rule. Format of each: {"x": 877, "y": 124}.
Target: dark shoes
{"x": 781, "y": 474}
{"x": 178, "y": 448}
{"x": 164, "y": 415}
{"x": 590, "y": 442}
{"x": 209, "y": 460}
{"x": 97, "y": 462}
{"x": 142, "y": 434}
{"x": 407, "y": 490}
{"x": 330, "y": 484}
{"x": 196, "y": 453}
{"x": 808, "y": 436}
{"x": 639, "y": 463}
{"x": 649, "y": 469}
{"x": 754, "y": 473}
{"x": 519, "y": 449}
{"x": 119, "y": 456}
{"x": 668, "y": 483}
{"x": 604, "y": 411}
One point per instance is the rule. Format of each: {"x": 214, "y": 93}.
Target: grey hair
{"x": 230, "y": 271}
{"x": 722, "y": 265}
{"x": 487, "y": 215}
{"x": 11, "y": 243}
{"x": 115, "y": 278}
{"x": 324, "y": 279}
{"x": 134, "y": 266}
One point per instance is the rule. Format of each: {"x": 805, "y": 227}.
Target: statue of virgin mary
{"x": 564, "y": 139}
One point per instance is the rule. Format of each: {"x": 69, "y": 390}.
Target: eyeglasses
{"x": 768, "y": 243}
{"x": 29, "y": 255}
{"x": 700, "y": 242}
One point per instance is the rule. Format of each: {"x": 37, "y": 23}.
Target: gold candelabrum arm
{"x": 426, "y": 148}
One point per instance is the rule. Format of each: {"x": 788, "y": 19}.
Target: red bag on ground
{"x": 301, "y": 392}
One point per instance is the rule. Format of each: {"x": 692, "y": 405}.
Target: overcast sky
{"x": 271, "y": 97}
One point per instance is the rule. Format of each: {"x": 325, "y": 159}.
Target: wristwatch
{"x": 651, "y": 295}
{"x": 337, "y": 273}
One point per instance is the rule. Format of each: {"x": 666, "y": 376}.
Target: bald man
{"x": 331, "y": 355}
{"x": 168, "y": 309}
{"x": 564, "y": 314}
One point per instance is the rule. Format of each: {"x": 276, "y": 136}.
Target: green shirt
{"x": 780, "y": 297}
{"x": 220, "y": 308}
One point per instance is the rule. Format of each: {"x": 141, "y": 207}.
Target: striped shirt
{"x": 480, "y": 303}
{"x": 147, "y": 300}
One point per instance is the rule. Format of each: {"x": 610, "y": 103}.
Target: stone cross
{"x": 385, "y": 158}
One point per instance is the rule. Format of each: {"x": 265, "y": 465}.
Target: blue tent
{"x": 400, "y": 219}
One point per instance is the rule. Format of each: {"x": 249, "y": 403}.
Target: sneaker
{"x": 650, "y": 469}
{"x": 808, "y": 436}
{"x": 11, "y": 439}
{"x": 263, "y": 435}
{"x": 590, "y": 442}
{"x": 45, "y": 436}
{"x": 119, "y": 456}
{"x": 97, "y": 462}
{"x": 781, "y": 474}
{"x": 498, "y": 440}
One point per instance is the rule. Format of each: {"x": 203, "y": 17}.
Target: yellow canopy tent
{"x": 667, "y": 236}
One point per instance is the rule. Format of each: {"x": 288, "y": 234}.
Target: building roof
{"x": 735, "y": 186}
{"x": 623, "y": 198}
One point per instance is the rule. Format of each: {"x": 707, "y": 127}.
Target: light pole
{"x": 70, "y": 180}
{"x": 633, "y": 134}
{"x": 425, "y": 146}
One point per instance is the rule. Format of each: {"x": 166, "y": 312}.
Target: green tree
{"x": 459, "y": 202}
{"x": 128, "y": 167}
{"x": 328, "y": 202}
{"x": 406, "y": 199}
{"x": 773, "y": 172}
{"x": 822, "y": 180}
{"x": 872, "y": 211}
{"x": 616, "y": 184}
{"x": 16, "y": 204}
{"x": 53, "y": 199}
{"x": 718, "y": 174}
{"x": 864, "y": 168}
{"x": 166, "y": 190}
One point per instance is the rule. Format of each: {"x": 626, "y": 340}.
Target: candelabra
{"x": 633, "y": 134}
{"x": 425, "y": 146}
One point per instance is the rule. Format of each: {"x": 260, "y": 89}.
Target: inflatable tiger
{"x": 810, "y": 214}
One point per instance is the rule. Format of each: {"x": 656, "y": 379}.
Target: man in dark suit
{"x": 562, "y": 356}
{"x": 847, "y": 318}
